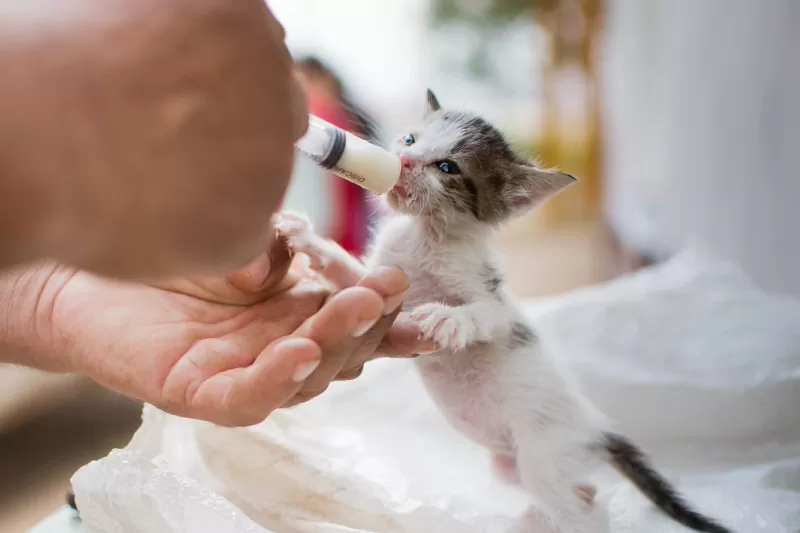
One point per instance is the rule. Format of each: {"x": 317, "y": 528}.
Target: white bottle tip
{"x": 368, "y": 165}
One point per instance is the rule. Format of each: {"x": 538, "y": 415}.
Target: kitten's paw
{"x": 298, "y": 231}
{"x": 505, "y": 466}
{"x": 450, "y": 327}
{"x": 296, "y": 228}
{"x": 586, "y": 493}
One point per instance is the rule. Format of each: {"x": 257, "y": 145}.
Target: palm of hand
{"x": 224, "y": 349}
{"x": 185, "y": 354}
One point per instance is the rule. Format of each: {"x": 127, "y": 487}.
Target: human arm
{"x": 225, "y": 349}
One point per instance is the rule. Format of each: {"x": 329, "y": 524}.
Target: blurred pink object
{"x": 327, "y": 101}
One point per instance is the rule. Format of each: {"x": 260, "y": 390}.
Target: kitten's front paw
{"x": 298, "y": 231}
{"x": 450, "y": 327}
{"x": 296, "y": 228}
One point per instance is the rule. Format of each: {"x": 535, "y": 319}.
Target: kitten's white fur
{"x": 512, "y": 399}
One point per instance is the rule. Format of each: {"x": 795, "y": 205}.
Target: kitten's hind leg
{"x": 327, "y": 257}
{"x": 553, "y": 478}
{"x": 505, "y": 466}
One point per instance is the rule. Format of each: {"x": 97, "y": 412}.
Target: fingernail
{"x": 392, "y": 303}
{"x": 304, "y": 370}
{"x": 364, "y": 327}
{"x": 425, "y": 347}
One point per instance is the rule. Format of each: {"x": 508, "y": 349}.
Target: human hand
{"x": 143, "y": 138}
{"x": 228, "y": 350}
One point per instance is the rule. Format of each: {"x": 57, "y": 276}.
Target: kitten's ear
{"x": 530, "y": 185}
{"x": 432, "y": 103}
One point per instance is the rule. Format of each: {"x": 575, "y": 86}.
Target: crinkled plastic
{"x": 690, "y": 359}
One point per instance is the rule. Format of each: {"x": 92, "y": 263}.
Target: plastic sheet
{"x": 690, "y": 359}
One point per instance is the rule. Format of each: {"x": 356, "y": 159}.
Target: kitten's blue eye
{"x": 409, "y": 140}
{"x": 448, "y": 167}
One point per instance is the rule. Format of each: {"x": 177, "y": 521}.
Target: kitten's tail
{"x": 632, "y": 463}
{"x": 71, "y": 500}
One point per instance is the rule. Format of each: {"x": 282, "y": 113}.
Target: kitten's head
{"x": 459, "y": 166}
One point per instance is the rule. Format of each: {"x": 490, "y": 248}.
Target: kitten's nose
{"x": 407, "y": 162}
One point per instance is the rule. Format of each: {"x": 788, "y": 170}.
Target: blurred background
{"x": 679, "y": 117}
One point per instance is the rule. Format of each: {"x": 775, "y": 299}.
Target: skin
{"x": 143, "y": 138}
{"x": 151, "y": 140}
{"x": 222, "y": 349}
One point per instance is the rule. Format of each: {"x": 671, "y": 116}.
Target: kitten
{"x": 491, "y": 378}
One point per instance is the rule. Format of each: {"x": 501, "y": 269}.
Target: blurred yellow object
{"x": 574, "y": 27}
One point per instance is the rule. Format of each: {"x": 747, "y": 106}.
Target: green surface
{"x": 63, "y": 521}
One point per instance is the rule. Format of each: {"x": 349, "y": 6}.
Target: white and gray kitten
{"x": 491, "y": 378}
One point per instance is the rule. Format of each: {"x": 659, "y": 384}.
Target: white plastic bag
{"x": 690, "y": 359}
{"x": 373, "y": 467}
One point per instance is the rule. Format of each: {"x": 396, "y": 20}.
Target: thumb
{"x": 268, "y": 273}
{"x": 404, "y": 339}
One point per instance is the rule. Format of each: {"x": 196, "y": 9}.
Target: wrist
{"x": 27, "y": 335}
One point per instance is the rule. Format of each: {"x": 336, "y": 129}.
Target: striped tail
{"x": 632, "y": 463}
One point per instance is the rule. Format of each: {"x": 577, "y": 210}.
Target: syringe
{"x": 349, "y": 156}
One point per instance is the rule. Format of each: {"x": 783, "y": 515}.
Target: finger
{"x": 390, "y": 283}
{"x": 365, "y": 350}
{"x": 403, "y": 340}
{"x": 354, "y": 366}
{"x": 246, "y": 396}
{"x": 302, "y": 397}
{"x": 337, "y": 328}
{"x": 269, "y": 274}
{"x": 362, "y": 351}
{"x": 266, "y": 272}
{"x": 349, "y": 375}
